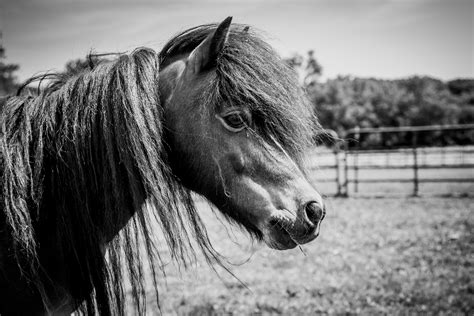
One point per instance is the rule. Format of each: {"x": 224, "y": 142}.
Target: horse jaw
{"x": 269, "y": 191}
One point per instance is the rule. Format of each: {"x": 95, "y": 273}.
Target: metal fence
{"x": 350, "y": 168}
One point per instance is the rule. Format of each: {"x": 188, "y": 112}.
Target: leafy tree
{"x": 307, "y": 68}
{"x": 8, "y": 81}
{"x": 344, "y": 103}
{"x": 313, "y": 69}
{"x": 76, "y": 65}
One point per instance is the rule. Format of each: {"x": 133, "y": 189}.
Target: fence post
{"x": 346, "y": 171}
{"x": 338, "y": 172}
{"x": 356, "y": 159}
{"x": 415, "y": 163}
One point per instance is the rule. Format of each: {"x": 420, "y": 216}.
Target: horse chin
{"x": 283, "y": 232}
{"x": 278, "y": 238}
{"x": 281, "y": 243}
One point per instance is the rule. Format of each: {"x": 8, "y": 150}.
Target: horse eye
{"x": 235, "y": 121}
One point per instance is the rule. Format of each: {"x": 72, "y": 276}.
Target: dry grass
{"x": 375, "y": 256}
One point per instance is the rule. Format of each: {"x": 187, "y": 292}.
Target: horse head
{"x": 237, "y": 127}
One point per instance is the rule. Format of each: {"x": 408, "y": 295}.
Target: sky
{"x": 365, "y": 38}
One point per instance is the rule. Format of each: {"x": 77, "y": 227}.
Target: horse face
{"x": 214, "y": 153}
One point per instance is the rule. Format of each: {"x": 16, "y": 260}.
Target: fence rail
{"x": 350, "y": 163}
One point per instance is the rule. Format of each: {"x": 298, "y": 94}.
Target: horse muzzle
{"x": 287, "y": 230}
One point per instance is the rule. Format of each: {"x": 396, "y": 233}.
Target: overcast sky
{"x": 368, "y": 38}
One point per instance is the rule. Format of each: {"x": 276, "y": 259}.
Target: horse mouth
{"x": 277, "y": 237}
{"x": 285, "y": 234}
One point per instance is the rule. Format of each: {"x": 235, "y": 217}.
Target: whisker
{"x": 301, "y": 248}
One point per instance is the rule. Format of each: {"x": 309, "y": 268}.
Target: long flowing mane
{"x": 89, "y": 149}
{"x": 82, "y": 154}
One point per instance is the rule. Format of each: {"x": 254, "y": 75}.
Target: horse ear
{"x": 204, "y": 57}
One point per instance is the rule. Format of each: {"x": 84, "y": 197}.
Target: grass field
{"x": 374, "y": 256}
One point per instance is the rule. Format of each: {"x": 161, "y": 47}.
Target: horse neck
{"x": 169, "y": 77}
{"x": 96, "y": 152}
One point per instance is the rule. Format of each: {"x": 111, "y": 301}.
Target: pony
{"x": 90, "y": 160}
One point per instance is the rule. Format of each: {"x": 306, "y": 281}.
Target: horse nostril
{"x": 314, "y": 212}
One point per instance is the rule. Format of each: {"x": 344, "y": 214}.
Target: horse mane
{"x": 86, "y": 143}
{"x": 94, "y": 140}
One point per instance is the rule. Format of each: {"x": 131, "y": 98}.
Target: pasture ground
{"x": 374, "y": 256}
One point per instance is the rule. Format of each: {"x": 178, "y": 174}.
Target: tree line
{"x": 347, "y": 102}
{"x": 8, "y": 80}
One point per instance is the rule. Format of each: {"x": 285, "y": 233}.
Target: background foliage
{"x": 347, "y": 102}
{"x": 8, "y": 81}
